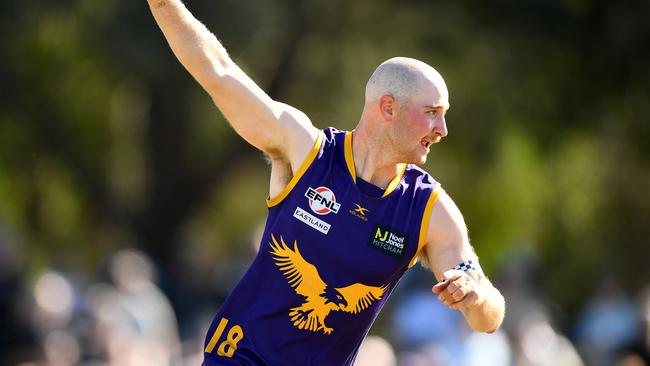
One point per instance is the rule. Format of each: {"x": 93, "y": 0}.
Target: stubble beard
{"x": 421, "y": 160}
{"x": 412, "y": 157}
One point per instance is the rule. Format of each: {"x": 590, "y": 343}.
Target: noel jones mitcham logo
{"x": 388, "y": 241}
{"x": 322, "y": 200}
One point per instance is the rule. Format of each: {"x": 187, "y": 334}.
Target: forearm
{"x": 193, "y": 44}
{"x": 488, "y": 315}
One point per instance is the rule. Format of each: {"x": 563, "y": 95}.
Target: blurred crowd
{"x": 122, "y": 316}
{"x": 611, "y": 327}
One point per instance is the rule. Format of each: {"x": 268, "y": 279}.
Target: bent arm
{"x": 470, "y": 292}
{"x": 273, "y": 127}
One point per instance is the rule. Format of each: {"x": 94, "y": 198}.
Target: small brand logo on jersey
{"x": 388, "y": 241}
{"x": 360, "y": 212}
{"x": 322, "y": 200}
{"x": 311, "y": 220}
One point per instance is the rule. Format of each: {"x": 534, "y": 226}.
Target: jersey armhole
{"x": 424, "y": 225}
{"x": 270, "y": 202}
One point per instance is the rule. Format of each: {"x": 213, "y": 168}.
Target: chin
{"x": 416, "y": 160}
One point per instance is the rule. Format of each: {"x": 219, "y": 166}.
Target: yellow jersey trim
{"x": 424, "y": 226}
{"x": 349, "y": 160}
{"x": 270, "y": 202}
{"x": 393, "y": 183}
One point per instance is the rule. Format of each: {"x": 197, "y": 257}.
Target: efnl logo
{"x": 388, "y": 241}
{"x": 322, "y": 200}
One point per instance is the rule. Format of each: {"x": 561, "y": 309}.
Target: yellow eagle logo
{"x": 320, "y": 297}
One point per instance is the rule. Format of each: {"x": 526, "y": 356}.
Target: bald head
{"x": 402, "y": 78}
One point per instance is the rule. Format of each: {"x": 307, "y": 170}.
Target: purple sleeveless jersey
{"x": 330, "y": 256}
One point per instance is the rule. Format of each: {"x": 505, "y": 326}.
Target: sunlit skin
{"x": 421, "y": 123}
{"x": 397, "y": 131}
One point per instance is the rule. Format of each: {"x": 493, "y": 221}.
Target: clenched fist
{"x": 459, "y": 289}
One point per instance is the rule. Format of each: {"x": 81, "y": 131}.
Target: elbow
{"x": 221, "y": 60}
{"x": 497, "y": 314}
{"x": 488, "y": 327}
{"x": 492, "y": 328}
{"x": 489, "y": 318}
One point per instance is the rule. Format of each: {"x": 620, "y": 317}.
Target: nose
{"x": 440, "y": 128}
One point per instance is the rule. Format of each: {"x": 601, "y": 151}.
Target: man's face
{"x": 421, "y": 122}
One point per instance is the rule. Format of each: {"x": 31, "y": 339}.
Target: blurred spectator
{"x": 426, "y": 329}
{"x": 18, "y": 341}
{"x": 533, "y": 337}
{"x": 420, "y": 318}
{"x": 487, "y": 349}
{"x": 516, "y": 283}
{"x": 429, "y": 333}
{"x": 135, "y": 324}
{"x": 61, "y": 349}
{"x": 637, "y": 353}
{"x": 537, "y": 343}
{"x": 607, "y": 323}
{"x": 375, "y": 351}
{"x": 56, "y": 309}
{"x": 54, "y": 298}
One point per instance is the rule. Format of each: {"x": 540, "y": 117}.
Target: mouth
{"x": 427, "y": 142}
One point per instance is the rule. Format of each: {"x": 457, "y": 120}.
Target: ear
{"x": 387, "y": 105}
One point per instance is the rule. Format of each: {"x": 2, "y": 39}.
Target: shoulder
{"x": 326, "y": 145}
{"x": 334, "y": 136}
{"x": 422, "y": 185}
{"x": 444, "y": 218}
{"x": 333, "y": 142}
{"x": 421, "y": 177}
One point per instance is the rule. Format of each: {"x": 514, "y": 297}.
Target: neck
{"x": 372, "y": 159}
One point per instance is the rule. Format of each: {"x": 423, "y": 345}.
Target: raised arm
{"x": 278, "y": 129}
{"x": 468, "y": 291}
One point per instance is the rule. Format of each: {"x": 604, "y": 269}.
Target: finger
{"x": 443, "y": 296}
{"x": 455, "y": 285}
{"x": 459, "y": 294}
{"x": 460, "y": 282}
{"x": 439, "y": 287}
{"x": 452, "y": 274}
{"x": 469, "y": 300}
{"x": 444, "y": 299}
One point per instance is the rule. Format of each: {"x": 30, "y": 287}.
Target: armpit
{"x": 281, "y": 175}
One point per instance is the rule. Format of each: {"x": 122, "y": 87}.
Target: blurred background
{"x": 129, "y": 208}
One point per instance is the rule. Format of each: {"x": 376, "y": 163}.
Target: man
{"x": 349, "y": 212}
